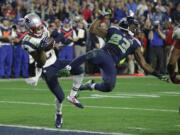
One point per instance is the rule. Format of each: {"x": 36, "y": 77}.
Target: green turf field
{"x": 143, "y": 105}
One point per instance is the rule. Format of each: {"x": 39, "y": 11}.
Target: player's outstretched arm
{"x": 140, "y": 59}
{"x": 97, "y": 30}
{"x": 95, "y": 26}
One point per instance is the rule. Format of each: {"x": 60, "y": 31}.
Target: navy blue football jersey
{"x": 120, "y": 45}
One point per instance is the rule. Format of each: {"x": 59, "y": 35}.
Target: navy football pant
{"x": 49, "y": 74}
{"x": 106, "y": 64}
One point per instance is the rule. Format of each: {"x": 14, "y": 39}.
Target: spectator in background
{"x": 6, "y": 51}
{"x": 61, "y": 12}
{"x": 156, "y": 37}
{"x": 142, "y": 6}
{"x": 175, "y": 12}
{"x": 67, "y": 37}
{"x": 31, "y": 7}
{"x": 51, "y": 11}
{"x": 20, "y": 12}
{"x": 132, "y": 6}
{"x": 158, "y": 15}
{"x": 80, "y": 44}
{"x": 9, "y": 12}
{"x": 119, "y": 11}
{"x": 160, "y": 6}
{"x": 20, "y": 57}
{"x": 87, "y": 13}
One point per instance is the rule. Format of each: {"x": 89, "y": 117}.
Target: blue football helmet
{"x": 126, "y": 22}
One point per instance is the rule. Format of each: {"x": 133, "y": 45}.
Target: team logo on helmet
{"x": 27, "y": 20}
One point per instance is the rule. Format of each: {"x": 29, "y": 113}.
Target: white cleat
{"x": 74, "y": 101}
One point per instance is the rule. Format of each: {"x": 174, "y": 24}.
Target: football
{"x": 50, "y": 43}
{"x": 46, "y": 44}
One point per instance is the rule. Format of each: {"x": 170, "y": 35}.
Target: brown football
{"x": 50, "y": 42}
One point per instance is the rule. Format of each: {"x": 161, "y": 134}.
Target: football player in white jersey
{"x": 40, "y": 46}
{"x": 175, "y": 54}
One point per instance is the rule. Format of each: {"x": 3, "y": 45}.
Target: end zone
{"x": 26, "y": 130}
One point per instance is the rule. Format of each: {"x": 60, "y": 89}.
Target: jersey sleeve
{"x": 27, "y": 45}
{"x": 136, "y": 43}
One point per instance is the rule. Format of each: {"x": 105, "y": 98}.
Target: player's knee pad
{"x": 77, "y": 71}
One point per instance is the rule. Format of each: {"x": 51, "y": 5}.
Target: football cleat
{"x": 74, "y": 101}
{"x": 58, "y": 121}
{"x": 87, "y": 85}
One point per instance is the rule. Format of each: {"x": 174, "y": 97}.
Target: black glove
{"x": 160, "y": 76}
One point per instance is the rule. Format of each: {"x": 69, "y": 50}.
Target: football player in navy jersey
{"x": 119, "y": 44}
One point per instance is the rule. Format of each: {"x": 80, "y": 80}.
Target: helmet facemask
{"x": 36, "y": 31}
{"x": 34, "y": 25}
{"x": 129, "y": 24}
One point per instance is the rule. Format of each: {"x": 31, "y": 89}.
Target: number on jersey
{"x": 120, "y": 41}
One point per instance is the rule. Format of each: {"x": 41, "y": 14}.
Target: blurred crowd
{"x": 72, "y": 18}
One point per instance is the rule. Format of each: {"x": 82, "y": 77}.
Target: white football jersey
{"x": 176, "y": 32}
{"x": 31, "y": 44}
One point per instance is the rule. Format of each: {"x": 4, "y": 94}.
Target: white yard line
{"x": 28, "y": 89}
{"x": 171, "y": 93}
{"x": 65, "y": 130}
{"x": 138, "y": 128}
{"x": 97, "y": 107}
{"x": 16, "y": 88}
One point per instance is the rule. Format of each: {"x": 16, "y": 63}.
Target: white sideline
{"x": 65, "y": 130}
{"x": 97, "y": 107}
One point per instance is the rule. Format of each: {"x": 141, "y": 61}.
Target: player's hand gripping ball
{"x": 46, "y": 44}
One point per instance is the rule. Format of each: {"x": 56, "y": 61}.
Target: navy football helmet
{"x": 125, "y": 23}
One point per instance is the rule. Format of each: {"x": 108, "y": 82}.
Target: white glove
{"x": 32, "y": 81}
{"x": 68, "y": 67}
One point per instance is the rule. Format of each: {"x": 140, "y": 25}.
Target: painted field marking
{"x": 65, "y": 130}
{"x": 97, "y": 107}
{"x": 139, "y": 128}
{"x": 26, "y": 89}
{"x": 171, "y": 93}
